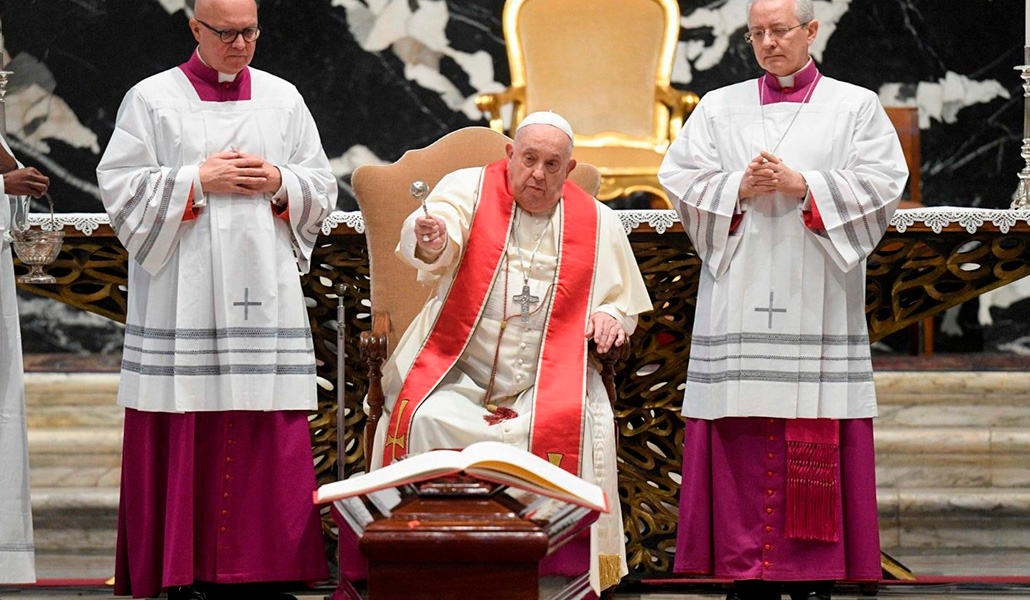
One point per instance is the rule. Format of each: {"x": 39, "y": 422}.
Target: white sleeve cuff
{"x": 628, "y": 323}
{"x": 429, "y": 255}
{"x": 433, "y": 261}
{"x": 279, "y": 198}
{"x": 199, "y": 199}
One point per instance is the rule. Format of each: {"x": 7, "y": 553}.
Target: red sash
{"x": 559, "y": 404}
{"x": 813, "y": 489}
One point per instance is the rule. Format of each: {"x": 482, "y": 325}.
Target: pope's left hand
{"x": 788, "y": 181}
{"x": 605, "y": 331}
{"x": 273, "y": 178}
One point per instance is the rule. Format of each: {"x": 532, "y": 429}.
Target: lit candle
{"x": 1027, "y": 37}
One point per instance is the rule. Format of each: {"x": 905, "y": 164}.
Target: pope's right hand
{"x": 430, "y": 233}
{"x": 232, "y": 173}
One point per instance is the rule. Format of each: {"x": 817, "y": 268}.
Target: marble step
{"x": 84, "y": 520}
{"x": 906, "y": 458}
{"x": 75, "y": 457}
{"x": 906, "y": 398}
{"x": 75, "y": 520}
{"x": 937, "y": 387}
{"x": 953, "y": 452}
{"x": 949, "y": 518}
{"x": 966, "y": 399}
{"x": 72, "y": 400}
{"x": 960, "y": 457}
{"x": 74, "y": 447}
{"x": 75, "y": 477}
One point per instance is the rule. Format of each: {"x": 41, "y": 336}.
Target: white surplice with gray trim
{"x": 17, "y": 553}
{"x": 780, "y": 328}
{"x": 216, "y": 317}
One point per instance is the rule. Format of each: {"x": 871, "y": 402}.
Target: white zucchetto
{"x": 546, "y": 117}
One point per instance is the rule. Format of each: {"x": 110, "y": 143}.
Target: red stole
{"x": 560, "y": 389}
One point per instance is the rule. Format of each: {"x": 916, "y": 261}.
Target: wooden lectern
{"x": 456, "y": 539}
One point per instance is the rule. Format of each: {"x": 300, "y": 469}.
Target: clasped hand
{"x": 767, "y": 174}
{"x": 236, "y": 172}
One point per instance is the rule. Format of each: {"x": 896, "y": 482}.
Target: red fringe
{"x": 813, "y": 491}
{"x": 500, "y": 415}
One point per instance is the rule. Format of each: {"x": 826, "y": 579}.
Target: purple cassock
{"x": 733, "y": 499}
{"x": 733, "y": 508}
{"x": 221, "y": 496}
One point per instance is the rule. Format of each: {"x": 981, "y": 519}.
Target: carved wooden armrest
{"x": 491, "y": 104}
{"x": 609, "y": 361}
{"x": 374, "y": 349}
{"x": 680, "y": 105}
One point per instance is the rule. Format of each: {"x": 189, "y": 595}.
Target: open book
{"x": 489, "y": 461}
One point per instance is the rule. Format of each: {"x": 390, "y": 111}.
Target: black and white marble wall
{"x": 384, "y": 76}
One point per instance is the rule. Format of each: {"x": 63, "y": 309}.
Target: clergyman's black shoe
{"x": 755, "y": 589}
{"x": 248, "y": 591}
{"x": 186, "y": 592}
{"x": 810, "y": 590}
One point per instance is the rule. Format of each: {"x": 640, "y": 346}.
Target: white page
{"x": 487, "y": 458}
{"x": 416, "y": 468}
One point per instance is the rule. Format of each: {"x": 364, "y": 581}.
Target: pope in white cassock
{"x": 17, "y": 556}
{"x": 785, "y": 184}
{"x": 527, "y": 267}
{"x": 216, "y": 183}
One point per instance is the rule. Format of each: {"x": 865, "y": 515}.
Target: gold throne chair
{"x": 382, "y": 192}
{"x": 605, "y": 65}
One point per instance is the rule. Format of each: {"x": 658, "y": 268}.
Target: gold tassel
{"x": 610, "y": 568}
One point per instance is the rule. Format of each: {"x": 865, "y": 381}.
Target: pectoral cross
{"x": 526, "y": 300}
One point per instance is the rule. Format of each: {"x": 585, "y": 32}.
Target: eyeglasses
{"x": 229, "y": 36}
{"x": 777, "y": 32}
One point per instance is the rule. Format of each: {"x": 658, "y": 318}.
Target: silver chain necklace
{"x": 761, "y": 106}
{"x": 525, "y": 298}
